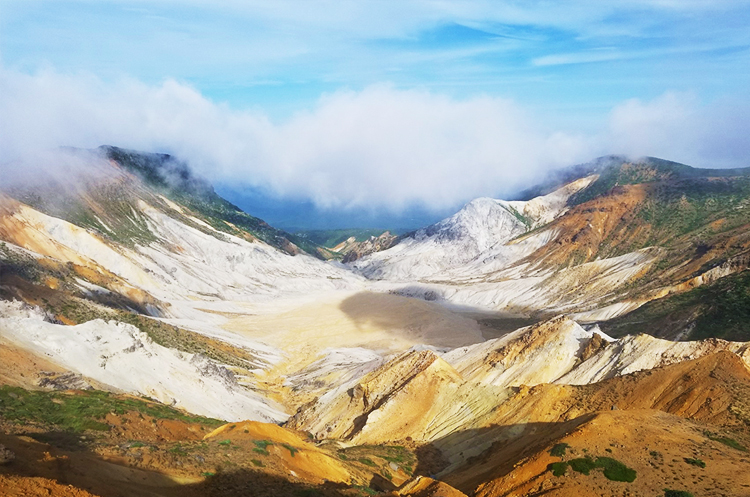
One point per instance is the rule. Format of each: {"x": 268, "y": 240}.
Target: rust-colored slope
{"x": 656, "y": 445}
{"x": 288, "y": 452}
{"x": 713, "y": 389}
{"x": 582, "y": 230}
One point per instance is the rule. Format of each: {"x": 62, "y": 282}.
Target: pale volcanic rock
{"x": 452, "y": 242}
{"x": 538, "y": 354}
{"x": 416, "y": 394}
{"x": 501, "y": 255}
{"x": 559, "y": 351}
{"x": 121, "y": 356}
{"x": 479, "y": 230}
{"x": 420, "y": 395}
{"x": 640, "y": 352}
{"x": 184, "y": 264}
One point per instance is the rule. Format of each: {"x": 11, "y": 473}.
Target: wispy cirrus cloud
{"x": 227, "y": 49}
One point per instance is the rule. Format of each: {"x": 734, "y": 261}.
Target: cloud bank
{"x": 381, "y": 147}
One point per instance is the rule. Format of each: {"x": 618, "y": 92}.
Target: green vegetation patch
{"x": 173, "y": 179}
{"x": 178, "y": 450}
{"x": 257, "y": 463}
{"x": 722, "y": 309}
{"x": 371, "y": 455}
{"x": 725, "y": 440}
{"x": 365, "y": 490}
{"x": 619, "y": 171}
{"x": 582, "y": 465}
{"x": 292, "y": 450}
{"x": 82, "y": 410}
{"x": 331, "y": 238}
{"x": 613, "y": 470}
{"x": 695, "y": 462}
{"x": 559, "y": 450}
{"x": 558, "y": 468}
{"x": 173, "y": 337}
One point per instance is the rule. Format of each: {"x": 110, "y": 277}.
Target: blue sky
{"x": 550, "y": 82}
{"x": 279, "y": 56}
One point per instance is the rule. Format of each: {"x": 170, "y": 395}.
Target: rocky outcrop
{"x": 353, "y": 250}
{"x": 425, "y": 396}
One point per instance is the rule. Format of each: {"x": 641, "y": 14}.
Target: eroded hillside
{"x": 156, "y": 340}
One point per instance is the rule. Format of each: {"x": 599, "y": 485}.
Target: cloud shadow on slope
{"x": 431, "y": 322}
{"x": 411, "y": 319}
{"x": 508, "y": 444}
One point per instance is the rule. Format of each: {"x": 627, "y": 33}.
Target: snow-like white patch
{"x": 336, "y": 367}
{"x": 641, "y": 352}
{"x": 476, "y": 258}
{"x": 607, "y": 312}
{"x": 515, "y": 359}
{"x": 119, "y": 355}
{"x": 90, "y": 288}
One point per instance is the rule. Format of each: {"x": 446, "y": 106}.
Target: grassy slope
{"x": 701, "y": 217}
{"x": 619, "y": 171}
{"x": 719, "y": 310}
{"x": 82, "y": 410}
{"x": 174, "y": 180}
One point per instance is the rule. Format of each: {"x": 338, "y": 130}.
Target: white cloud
{"x": 677, "y": 126}
{"x": 381, "y": 147}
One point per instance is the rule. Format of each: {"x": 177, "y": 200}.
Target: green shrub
{"x": 558, "y": 468}
{"x": 559, "y": 450}
{"x": 292, "y": 450}
{"x": 615, "y": 470}
{"x": 582, "y": 465}
{"x": 178, "y": 450}
{"x": 730, "y": 442}
{"x": 695, "y": 462}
